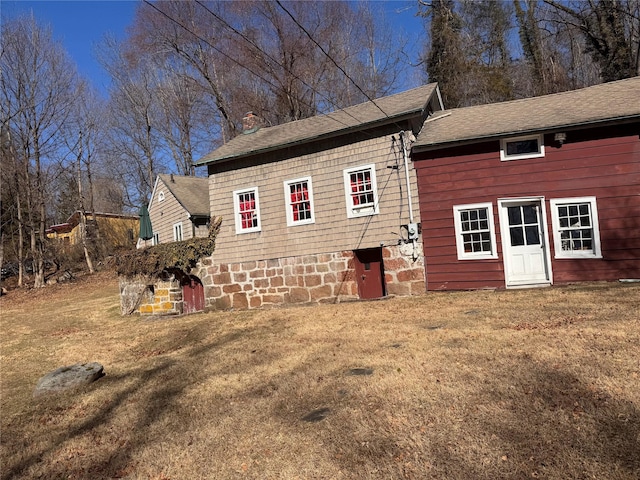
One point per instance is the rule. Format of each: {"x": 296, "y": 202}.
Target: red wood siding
{"x": 604, "y": 163}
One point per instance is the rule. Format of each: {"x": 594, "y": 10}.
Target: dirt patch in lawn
{"x": 537, "y": 383}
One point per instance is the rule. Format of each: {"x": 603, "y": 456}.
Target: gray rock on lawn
{"x": 65, "y": 378}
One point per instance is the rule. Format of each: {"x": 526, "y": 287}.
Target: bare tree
{"x": 37, "y": 84}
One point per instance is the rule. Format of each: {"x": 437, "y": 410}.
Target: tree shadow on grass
{"x": 160, "y": 400}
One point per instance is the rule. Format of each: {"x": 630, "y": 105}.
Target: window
{"x": 160, "y": 196}
{"x": 177, "y": 232}
{"x": 521, "y": 147}
{"x": 475, "y": 234}
{"x": 156, "y": 239}
{"x": 299, "y": 201}
{"x": 576, "y": 232}
{"x": 246, "y": 210}
{"x": 361, "y": 191}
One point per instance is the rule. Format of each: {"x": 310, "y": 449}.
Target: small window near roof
{"x": 521, "y": 147}
{"x": 160, "y": 196}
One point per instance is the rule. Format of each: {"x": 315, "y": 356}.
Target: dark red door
{"x": 369, "y": 273}
{"x": 192, "y": 295}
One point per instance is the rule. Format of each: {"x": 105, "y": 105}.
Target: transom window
{"x": 521, "y": 147}
{"x": 576, "y": 231}
{"x": 246, "y": 210}
{"x": 475, "y": 234}
{"x": 361, "y": 191}
{"x": 299, "y": 201}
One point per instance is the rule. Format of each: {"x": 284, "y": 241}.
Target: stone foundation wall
{"x": 321, "y": 278}
{"x": 165, "y": 299}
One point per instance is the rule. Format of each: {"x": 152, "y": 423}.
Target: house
{"x": 322, "y": 209}
{"x": 178, "y": 209}
{"x": 532, "y": 192}
{"x": 114, "y": 230}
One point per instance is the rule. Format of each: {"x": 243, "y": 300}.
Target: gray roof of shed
{"x": 607, "y": 102}
{"x": 191, "y": 192}
{"x": 357, "y": 117}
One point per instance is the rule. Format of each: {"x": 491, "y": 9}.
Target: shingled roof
{"x": 355, "y": 118}
{"x": 608, "y": 102}
{"x": 191, "y": 192}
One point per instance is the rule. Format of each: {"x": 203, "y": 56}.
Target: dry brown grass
{"x": 470, "y": 385}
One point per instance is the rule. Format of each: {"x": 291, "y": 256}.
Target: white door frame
{"x": 506, "y": 241}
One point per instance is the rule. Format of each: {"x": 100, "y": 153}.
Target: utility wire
{"x": 268, "y": 82}
{"x": 329, "y": 57}
{"x": 257, "y": 47}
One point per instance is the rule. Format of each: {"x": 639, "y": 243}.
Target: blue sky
{"x": 81, "y": 24}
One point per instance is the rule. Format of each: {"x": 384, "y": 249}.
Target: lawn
{"x": 540, "y": 383}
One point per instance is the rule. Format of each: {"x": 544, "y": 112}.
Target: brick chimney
{"x": 250, "y": 123}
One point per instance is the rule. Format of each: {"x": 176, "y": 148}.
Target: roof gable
{"x": 358, "y": 117}
{"x": 607, "y": 102}
{"x": 191, "y": 192}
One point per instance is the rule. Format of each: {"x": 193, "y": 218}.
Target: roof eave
{"x": 336, "y": 133}
{"x": 570, "y": 126}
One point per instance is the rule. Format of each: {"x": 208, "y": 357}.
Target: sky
{"x": 81, "y": 24}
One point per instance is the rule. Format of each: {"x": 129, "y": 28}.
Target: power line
{"x": 268, "y": 82}
{"x": 330, "y": 57}
{"x": 257, "y": 47}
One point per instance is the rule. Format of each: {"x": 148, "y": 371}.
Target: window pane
{"x": 517, "y": 236}
{"x": 533, "y": 237}
{"x": 530, "y": 214}
{"x": 515, "y": 218}
{"x": 520, "y": 147}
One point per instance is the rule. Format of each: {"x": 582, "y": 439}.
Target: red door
{"x": 369, "y": 273}
{"x": 192, "y": 295}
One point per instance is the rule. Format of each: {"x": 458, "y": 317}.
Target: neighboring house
{"x": 319, "y": 210}
{"x": 114, "y": 230}
{"x": 179, "y": 209}
{"x": 532, "y": 192}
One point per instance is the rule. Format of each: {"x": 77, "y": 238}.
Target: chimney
{"x": 250, "y": 123}
{"x": 172, "y": 180}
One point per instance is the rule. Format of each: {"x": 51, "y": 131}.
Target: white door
{"x": 524, "y": 242}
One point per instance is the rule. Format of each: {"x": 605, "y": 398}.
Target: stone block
{"x": 214, "y": 291}
{"x": 255, "y": 301}
{"x": 270, "y": 272}
{"x": 318, "y": 293}
{"x": 322, "y": 268}
{"x": 240, "y": 277}
{"x": 259, "y": 273}
{"x": 299, "y": 295}
{"x": 312, "y": 280}
{"x": 276, "y": 281}
{"x": 235, "y": 267}
{"x": 291, "y": 280}
{"x": 246, "y": 266}
{"x": 410, "y": 275}
{"x": 273, "y": 263}
{"x": 310, "y": 259}
{"x": 396, "y": 264}
{"x": 274, "y": 299}
{"x": 325, "y": 258}
{"x": 240, "y": 301}
{"x": 222, "y": 278}
{"x": 162, "y": 292}
{"x": 146, "y": 309}
{"x": 261, "y": 283}
{"x": 400, "y": 289}
{"x": 418, "y": 288}
{"x": 329, "y": 278}
{"x": 223, "y": 303}
{"x": 232, "y": 288}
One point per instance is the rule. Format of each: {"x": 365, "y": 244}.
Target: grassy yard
{"x": 540, "y": 383}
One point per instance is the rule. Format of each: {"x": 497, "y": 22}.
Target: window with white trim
{"x": 576, "y": 230}
{"x": 298, "y": 197}
{"x": 516, "y": 148}
{"x": 156, "y": 239}
{"x": 246, "y": 210}
{"x": 475, "y": 232}
{"x": 177, "y": 232}
{"x": 361, "y": 191}
{"x": 160, "y": 196}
